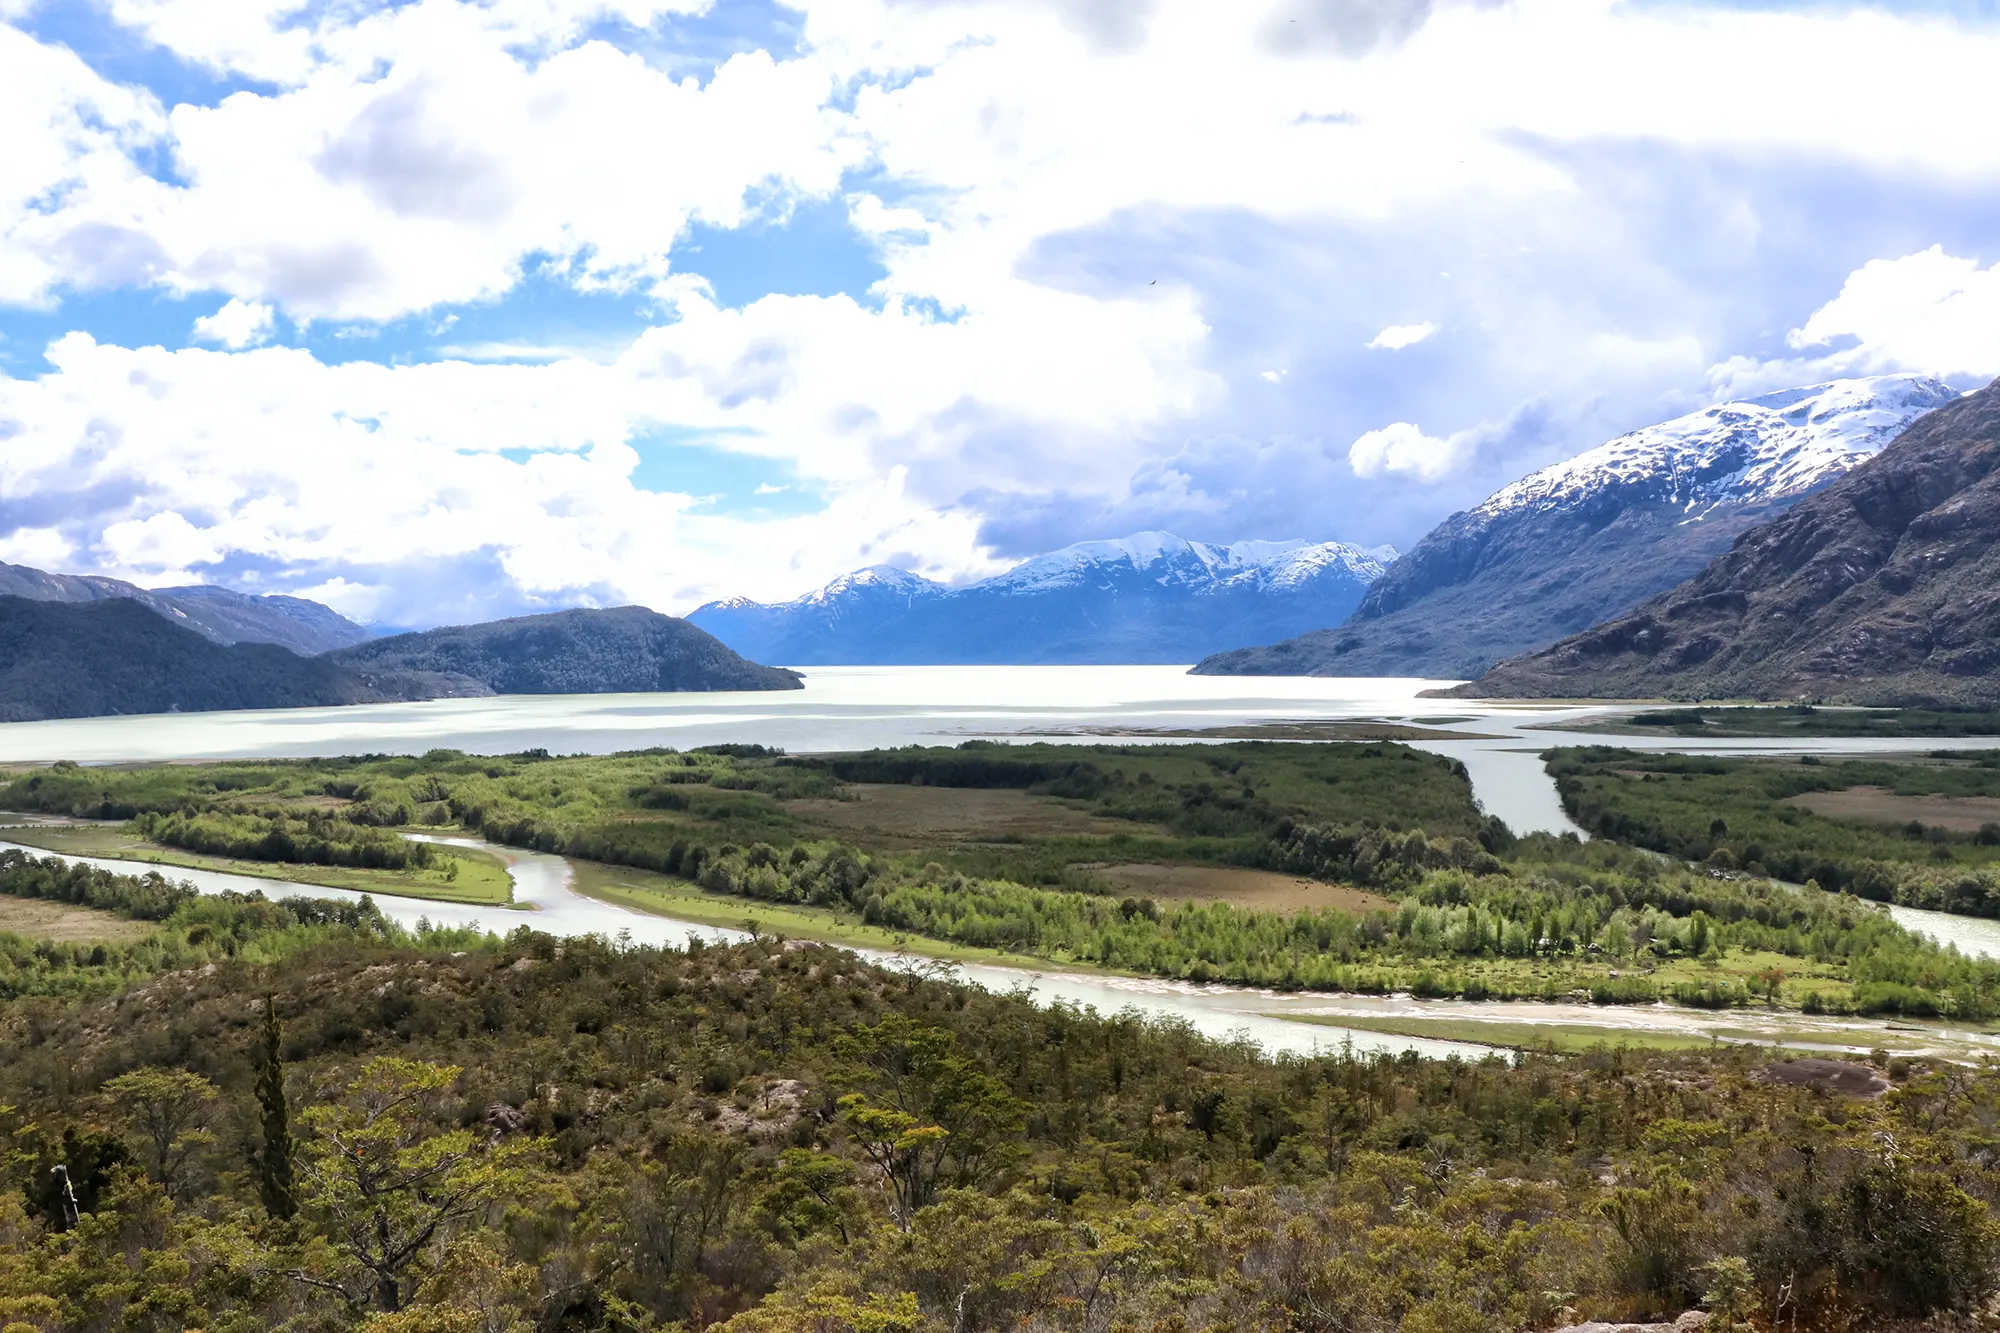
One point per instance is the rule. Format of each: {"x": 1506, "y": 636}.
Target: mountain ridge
{"x": 1883, "y": 588}
{"x": 620, "y": 650}
{"x": 221, "y": 615}
{"x": 1583, "y": 539}
{"x": 1147, "y": 597}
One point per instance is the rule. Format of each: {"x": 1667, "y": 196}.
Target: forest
{"x": 295, "y": 1115}
{"x": 1744, "y": 814}
{"x": 1455, "y": 906}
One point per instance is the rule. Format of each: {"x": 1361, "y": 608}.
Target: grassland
{"x": 480, "y": 878}
{"x": 38, "y": 919}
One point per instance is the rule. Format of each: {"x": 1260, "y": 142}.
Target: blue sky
{"x": 435, "y": 310}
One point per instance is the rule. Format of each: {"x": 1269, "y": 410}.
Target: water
{"x": 542, "y": 888}
{"x": 1975, "y": 936}
{"x": 858, "y": 708}
{"x": 542, "y": 884}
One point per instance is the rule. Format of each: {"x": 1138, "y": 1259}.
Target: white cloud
{"x": 1068, "y": 197}
{"x": 1398, "y": 336}
{"x": 239, "y": 324}
{"x": 1926, "y": 311}
{"x": 1401, "y": 447}
{"x": 41, "y": 548}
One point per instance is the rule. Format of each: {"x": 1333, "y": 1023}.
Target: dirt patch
{"x": 1262, "y": 889}
{"x": 41, "y": 920}
{"x": 895, "y": 815}
{"x": 1879, "y": 805}
{"x": 1841, "y": 1076}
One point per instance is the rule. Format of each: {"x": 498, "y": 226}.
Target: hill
{"x": 220, "y": 615}
{"x": 625, "y": 650}
{"x": 1884, "y": 588}
{"x": 117, "y": 656}
{"x": 1583, "y": 540}
{"x": 1152, "y": 597}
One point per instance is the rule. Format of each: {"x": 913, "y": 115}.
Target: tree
{"x": 389, "y": 1187}
{"x": 274, "y": 1164}
{"x": 909, "y": 1152}
{"x": 912, "y": 1081}
{"x": 170, "y": 1110}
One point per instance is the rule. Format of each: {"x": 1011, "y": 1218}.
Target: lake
{"x": 858, "y": 708}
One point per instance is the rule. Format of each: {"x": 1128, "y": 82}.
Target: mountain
{"x": 625, "y": 650}
{"x": 115, "y": 655}
{"x": 1586, "y": 539}
{"x": 1884, "y": 588}
{"x": 1152, "y": 597}
{"x": 217, "y": 614}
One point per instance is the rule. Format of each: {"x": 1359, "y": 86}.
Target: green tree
{"x": 169, "y": 1108}
{"x": 389, "y": 1187}
{"x": 274, "y": 1164}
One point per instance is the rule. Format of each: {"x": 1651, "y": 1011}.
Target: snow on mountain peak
{"x": 1758, "y": 448}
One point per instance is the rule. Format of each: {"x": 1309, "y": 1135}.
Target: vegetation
{"x": 1735, "y": 814}
{"x": 1806, "y": 720}
{"x": 526, "y": 1134}
{"x": 1474, "y": 913}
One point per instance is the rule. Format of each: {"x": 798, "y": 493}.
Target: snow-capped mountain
{"x": 1150, "y": 597}
{"x": 1780, "y": 444}
{"x": 1583, "y": 540}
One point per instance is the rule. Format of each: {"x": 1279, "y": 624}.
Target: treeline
{"x": 316, "y": 837}
{"x": 1734, "y": 814}
{"x": 772, "y": 1139}
{"x": 1591, "y": 909}
{"x": 193, "y": 929}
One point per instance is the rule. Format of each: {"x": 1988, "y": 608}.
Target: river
{"x": 1279, "y": 1022}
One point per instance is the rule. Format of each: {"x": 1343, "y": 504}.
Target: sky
{"x": 436, "y": 311}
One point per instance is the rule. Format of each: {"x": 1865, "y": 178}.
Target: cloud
{"x": 1141, "y": 260}
{"x": 1926, "y": 311}
{"x": 1401, "y": 447}
{"x": 1398, "y": 336}
{"x": 237, "y": 325}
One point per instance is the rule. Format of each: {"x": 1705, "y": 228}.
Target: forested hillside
{"x": 116, "y": 656}
{"x": 294, "y": 1115}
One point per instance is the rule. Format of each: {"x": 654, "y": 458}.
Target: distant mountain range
{"x": 1884, "y": 588}
{"x": 117, "y": 655}
{"x": 1152, "y": 597}
{"x": 1586, "y": 539}
{"x": 219, "y": 615}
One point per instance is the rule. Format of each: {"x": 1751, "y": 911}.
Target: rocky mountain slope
{"x": 220, "y": 615}
{"x": 116, "y": 655}
{"x": 1585, "y": 539}
{"x": 1883, "y": 588}
{"x": 625, "y": 650}
{"x": 1152, "y": 597}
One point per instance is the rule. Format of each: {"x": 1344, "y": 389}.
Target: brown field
{"x": 899, "y": 817}
{"x": 1878, "y": 805}
{"x": 63, "y": 923}
{"x": 1264, "y": 890}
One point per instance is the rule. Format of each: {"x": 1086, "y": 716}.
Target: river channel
{"x": 1279, "y": 1022}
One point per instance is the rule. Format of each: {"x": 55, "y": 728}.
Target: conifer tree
{"x": 274, "y": 1166}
